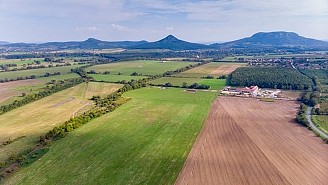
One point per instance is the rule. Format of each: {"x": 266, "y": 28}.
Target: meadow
{"x": 114, "y": 78}
{"x": 27, "y": 123}
{"x": 37, "y": 72}
{"x": 213, "y": 83}
{"x": 321, "y": 121}
{"x": 144, "y": 141}
{"x": 144, "y": 67}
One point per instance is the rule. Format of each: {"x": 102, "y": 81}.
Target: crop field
{"x": 37, "y": 72}
{"x": 144, "y": 67}
{"x": 213, "y": 83}
{"x": 144, "y": 141}
{"x": 321, "y": 121}
{"x": 214, "y": 69}
{"x": 247, "y": 141}
{"x": 114, "y": 78}
{"x": 27, "y": 123}
{"x": 11, "y": 91}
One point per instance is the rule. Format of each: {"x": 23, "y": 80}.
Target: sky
{"x": 204, "y": 21}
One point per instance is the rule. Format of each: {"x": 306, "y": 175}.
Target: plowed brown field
{"x": 247, "y": 141}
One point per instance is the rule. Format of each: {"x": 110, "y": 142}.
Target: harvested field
{"x": 214, "y": 69}
{"x": 247, "y": 141}
{"x": 7, "y": 89}
{"x": 225, "y": 69}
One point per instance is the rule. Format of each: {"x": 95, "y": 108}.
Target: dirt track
{"x": 246, "y": 141}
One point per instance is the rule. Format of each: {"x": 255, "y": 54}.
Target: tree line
{"x": 270, "y": 77}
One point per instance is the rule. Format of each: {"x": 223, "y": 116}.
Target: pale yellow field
{"x": 213, "y": 69}
{"x": 37, "y": 118}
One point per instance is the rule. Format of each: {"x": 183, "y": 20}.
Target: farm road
{"x": 308, "y": 116}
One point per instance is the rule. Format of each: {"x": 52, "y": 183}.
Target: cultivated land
{"x": 144, "y": 141}
{"x": 246, "y": 141}
{"x": 37, "y": 72}
{"x": 145, "y": 67}
{"x": 214, "y": 69}
{"x": 114, "y": 78}
{"x": 213, "y": 83}
{"x": 37, "y": 118}
{"x": 11, "y": 91}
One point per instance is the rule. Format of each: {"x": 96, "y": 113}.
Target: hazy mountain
{"x": 4, "y": 42}
{"x": 275, "y": 39}
{"x": 172, "y": 43}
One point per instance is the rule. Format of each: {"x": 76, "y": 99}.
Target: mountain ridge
{"x": 275, "y": 39}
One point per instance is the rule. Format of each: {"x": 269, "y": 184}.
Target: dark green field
{"x": 213, "y": 83}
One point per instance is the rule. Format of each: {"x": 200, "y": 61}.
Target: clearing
{"x": 144, "y": 141}
{"x": 37, "y": 118}
{"x": 246, "y": 141}
{"x": 144, "y": 67}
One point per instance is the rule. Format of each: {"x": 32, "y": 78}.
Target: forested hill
{"x": 276, "y": 39}
{"x": 172, "y": 43}
{"x": 271, "y": 77}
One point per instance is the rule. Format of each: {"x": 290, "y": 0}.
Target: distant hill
{"x": 90, "y": 43}
{"x": 275, "y": 39}
{"x": 172, "y": 43}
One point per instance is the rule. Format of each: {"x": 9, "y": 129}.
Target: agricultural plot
{"x": 37, "y": 72}
{"x": 114, "y": 78}
{"x": 247, "y": 141}
{"x": 144, "y": 141}
{"x": 27, "y": 123}
{"x": 144, "y": 67}
{"x": 11, "y": 91}
{"x": 213, "y": 83}
{"x": 213, "y": 69}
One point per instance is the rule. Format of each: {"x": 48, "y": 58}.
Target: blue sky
{"x": 193, "y": 20}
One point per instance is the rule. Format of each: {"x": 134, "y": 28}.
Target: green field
{"x": 321, "y": 121}
{"x": 37, "y": 118}
{"x": 145, "y": 67}
{"x": 114, "y": 78}
{"x": 145, "y": 141}
{"x": 37, "y": 72}
{"x": 214, "y": 83}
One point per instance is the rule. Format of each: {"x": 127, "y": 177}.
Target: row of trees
{"x": 24, "y": 67}
{"x": 272, "y": 77}
{"x": 301, "y": 115}
{"x": 28, "y": 77}
{"x": 50, "y": 89}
